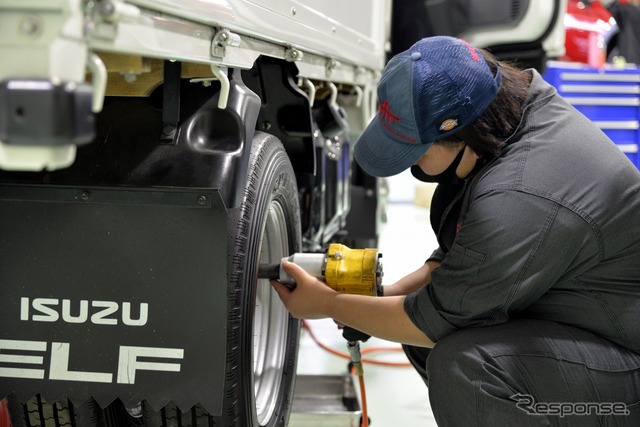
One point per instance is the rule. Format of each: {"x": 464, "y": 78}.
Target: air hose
{"x": 356, "y": 359}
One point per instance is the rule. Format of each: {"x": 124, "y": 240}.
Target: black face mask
{"x": 447, "y": 177}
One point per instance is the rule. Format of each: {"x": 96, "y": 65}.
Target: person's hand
{"x": 310, "y": 297}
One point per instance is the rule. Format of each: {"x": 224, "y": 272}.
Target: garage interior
{"x": 155, "y": 153}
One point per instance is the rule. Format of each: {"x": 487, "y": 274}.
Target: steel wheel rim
{"x": 270, "y": 325}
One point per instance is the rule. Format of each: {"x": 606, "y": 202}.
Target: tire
{"x": 38, "y": 413}
{"x": 262, "y": 337}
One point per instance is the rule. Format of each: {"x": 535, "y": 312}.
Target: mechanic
{"x": 533, "y": 296}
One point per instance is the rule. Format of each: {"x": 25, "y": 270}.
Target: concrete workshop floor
{"x": 396, "y": 396}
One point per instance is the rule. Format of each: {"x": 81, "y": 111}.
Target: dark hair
{"x": 487, "y": 134}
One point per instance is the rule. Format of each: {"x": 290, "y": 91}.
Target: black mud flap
{"x": 113, "y": 293}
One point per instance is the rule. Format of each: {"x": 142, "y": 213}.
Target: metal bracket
{"x": 330, "y": 65}
{"x": 312, "y": 90}
{"x": 220, "y": 74}
{"x": 333, "y": 98}
{"x": 221, "y": 40}
{"x": 292, "y": 54}
{"x": 171, "y": 100}
{"x": 359, "y": 95}
{"x": 99, "y": 79}
{"x": 117, "y": 10}
{"x": 333, "y": 144}
{"x": 334, "y": 147}
{"x": 102, "y": 18}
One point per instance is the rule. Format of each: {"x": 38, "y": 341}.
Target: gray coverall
{"x": 535, "y": 309}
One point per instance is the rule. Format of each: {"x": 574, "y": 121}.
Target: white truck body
{"x": 63, "y": 39}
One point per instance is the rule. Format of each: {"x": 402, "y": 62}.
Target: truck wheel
{"x": 262, "y": 336}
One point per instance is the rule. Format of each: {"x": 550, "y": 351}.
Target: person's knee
{"x": 453, "y": 355}
{"x": 453, "y": 367}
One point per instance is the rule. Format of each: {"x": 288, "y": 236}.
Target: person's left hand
{"x": 311, "y": 296}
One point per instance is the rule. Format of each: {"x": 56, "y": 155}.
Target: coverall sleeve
{"x": 437, "y": 255}
{"x": 512, "y": 247}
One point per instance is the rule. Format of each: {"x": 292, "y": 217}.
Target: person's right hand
{"x": 309, "y": 298}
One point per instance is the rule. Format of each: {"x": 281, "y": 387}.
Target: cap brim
{"x": 382, "y": 156}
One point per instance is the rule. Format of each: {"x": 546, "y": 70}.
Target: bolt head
{"x": 29, "y": 26}
{"x": 107, "y": 8}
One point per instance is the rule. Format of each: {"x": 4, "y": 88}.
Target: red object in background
{"x": 5, "y": 421}
{"x": 589, "y": 27}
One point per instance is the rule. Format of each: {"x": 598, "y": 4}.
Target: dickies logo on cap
{"x": 447, "y": 125}
{"x": 432, "y": 90}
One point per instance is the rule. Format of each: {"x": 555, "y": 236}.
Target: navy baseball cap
{"x": 432, "y": 90}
